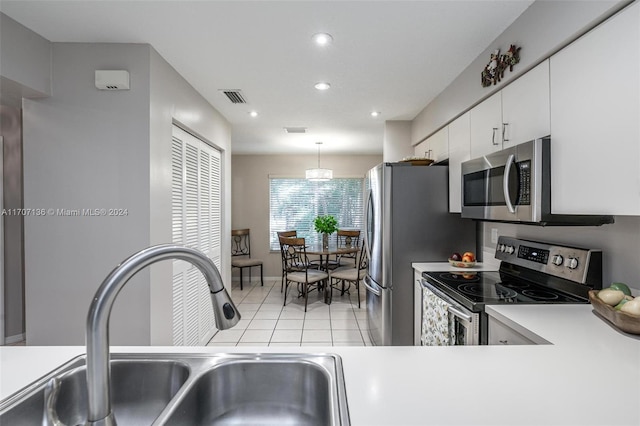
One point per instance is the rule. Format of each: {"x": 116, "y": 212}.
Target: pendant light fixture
{"x": 319, "y": 174}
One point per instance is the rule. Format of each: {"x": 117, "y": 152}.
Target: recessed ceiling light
{"x": 375, "y": 113}
{"x": 322, "y": 39}
{"x": 253, "y": 113}
{"x": 322, "y": 85}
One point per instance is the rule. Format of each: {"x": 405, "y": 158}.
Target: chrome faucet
{"x": 98, "y": 368}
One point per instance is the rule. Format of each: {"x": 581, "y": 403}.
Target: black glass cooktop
{"x": 478, "y": 288}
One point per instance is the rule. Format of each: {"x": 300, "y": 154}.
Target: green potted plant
{"x": 326, "y": 225}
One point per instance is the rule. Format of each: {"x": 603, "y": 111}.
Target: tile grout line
{"x": 262, "y": 302}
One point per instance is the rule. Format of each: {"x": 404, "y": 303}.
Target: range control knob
{"x": 501, "y": 247}
{"x": 571, "y": 263}
{"x": 510, "y": 249}
{"x": 557, "y": 259}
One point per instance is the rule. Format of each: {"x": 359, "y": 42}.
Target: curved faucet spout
{"x": 98, "y": 369}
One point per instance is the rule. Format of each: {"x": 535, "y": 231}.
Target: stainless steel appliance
{"x": 530, "y": 272}
{"x": 514, "y": 185}
{"x": 406, "y": 220}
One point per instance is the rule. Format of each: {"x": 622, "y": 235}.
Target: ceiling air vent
{"x": 234, "y": 96}
{"x": 295, "y": 129}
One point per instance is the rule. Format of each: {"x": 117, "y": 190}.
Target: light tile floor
{"x": 265, "y": 322}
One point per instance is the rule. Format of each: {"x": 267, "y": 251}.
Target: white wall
{"x": 541, "y": 30}
{"x": 397, "y": 140}
{"x": 172, "y": 98}
{"x": 620, "y": 243}
{"x": 25, "y": 60}
{"x": 250, "y": 203}
{"x": 25, "y": 71}
{"x": 86, "y": 148}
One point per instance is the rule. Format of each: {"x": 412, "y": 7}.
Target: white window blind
{"x": 294, "y": 203}
{"x": 196, "y": 222}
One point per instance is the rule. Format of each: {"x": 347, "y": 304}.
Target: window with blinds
{"x": 294, "y": 203}
{"x": 196, "y": 222}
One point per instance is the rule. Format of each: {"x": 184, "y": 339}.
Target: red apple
{"x": 456, "y": 256}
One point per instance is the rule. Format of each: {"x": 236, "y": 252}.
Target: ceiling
{"x": 388, "y": 56}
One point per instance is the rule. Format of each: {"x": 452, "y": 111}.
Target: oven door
{"x": 504, "y": 185}
{"x": 464, "y": 324}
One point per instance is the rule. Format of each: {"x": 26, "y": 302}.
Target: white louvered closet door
{"x": 195, "y": 197}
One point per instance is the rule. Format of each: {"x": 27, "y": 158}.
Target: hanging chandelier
{"x": 319, "y": 174}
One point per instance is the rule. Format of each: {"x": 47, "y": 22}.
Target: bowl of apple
{"x": 466, "y": 260}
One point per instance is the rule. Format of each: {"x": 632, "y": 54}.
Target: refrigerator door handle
{"x": 371, "y": 289}
{"x": 368, "y": 235}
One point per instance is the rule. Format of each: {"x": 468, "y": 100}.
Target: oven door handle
{"x": 505, "y": 183}
{"x": 457, "y": 312}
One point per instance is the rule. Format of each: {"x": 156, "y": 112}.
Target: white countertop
{"x": 589, "y": 375}
{"x": 446, "y": 266}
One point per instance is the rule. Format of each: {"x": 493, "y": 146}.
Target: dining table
{"x": 324, "y": 253}
{"x": 332, "y": 250}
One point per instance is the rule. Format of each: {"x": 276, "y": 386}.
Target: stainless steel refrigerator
{"x": 407, "y": 220}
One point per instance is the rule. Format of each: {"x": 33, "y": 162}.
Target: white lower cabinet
{"x": 417, "y": 307}
{"x": 595, "y": 110}
{"x": 502, "y": 334}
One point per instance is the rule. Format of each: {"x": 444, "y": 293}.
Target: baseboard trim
{"x": 254, "y": 279}
{"x": 10, "y": 340}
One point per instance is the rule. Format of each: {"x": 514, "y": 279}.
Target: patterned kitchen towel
{"x": 437, "y": 324}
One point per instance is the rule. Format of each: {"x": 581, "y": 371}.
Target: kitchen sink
{"x": 140, "y": 390}
{"x": 197, "y": 389}
{"x": 264, "y": 392}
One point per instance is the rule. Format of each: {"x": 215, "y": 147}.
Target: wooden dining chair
{"x": 348, "y": 275}
{"x": 241, "y": 253}
{"x": 292, "y": 233}
{"x": 348, "y": 239}
{"x": 297, "y": 268}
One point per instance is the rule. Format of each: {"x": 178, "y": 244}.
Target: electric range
{"x": 530, "y": 273}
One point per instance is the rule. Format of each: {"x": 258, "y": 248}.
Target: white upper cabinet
{"x": 459, "y": 151}
{"x": 435, "y": 146}
{"x": 525, "y": 107}
{"x": 595, "y": 116}
{"x": 516, "y": 114}
{"x": 486, "y": 122}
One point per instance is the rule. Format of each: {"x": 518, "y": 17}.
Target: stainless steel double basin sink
{"x": 197, "y": 389}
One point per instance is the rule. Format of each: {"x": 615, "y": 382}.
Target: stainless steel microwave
{"x": 514, "y": 185}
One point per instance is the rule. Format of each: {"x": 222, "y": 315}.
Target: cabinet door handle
{"x": 493, "y": 136}
{"x": 504, "y": 131}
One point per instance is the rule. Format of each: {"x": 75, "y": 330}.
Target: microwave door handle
{"x": 505, "y": 183}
